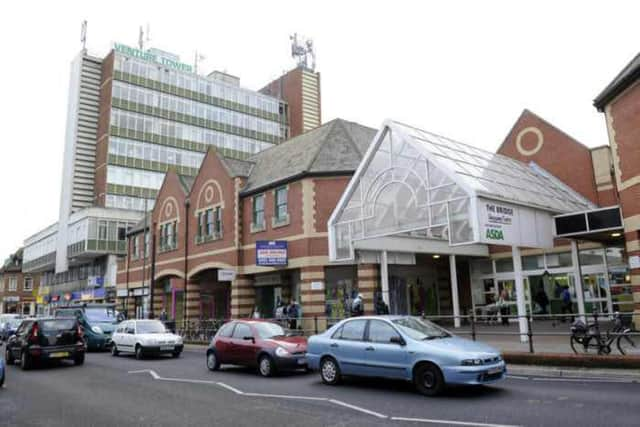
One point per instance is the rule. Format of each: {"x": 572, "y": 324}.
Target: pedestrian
{"x": 279, "y": 314}
{"x": 542, "y": 299}
{"x": 567, "y": 304}
{"x": 256, "y": 313}
{"x": 381, "y": 306}
{"x": 505, "y": 311}
{"x": 357, "y": 306}
{"x": 163, "y": 316}
{"x": 292, "y": 313}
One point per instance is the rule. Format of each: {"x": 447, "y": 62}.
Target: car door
{"x": 385, "y": 353}
{"x": 348, "y": 347}
{"x": 20, "y": 340}
{"x": 243, "y": 350}
{"x": 223, "y": 343}
{"x": 117, "y": 336}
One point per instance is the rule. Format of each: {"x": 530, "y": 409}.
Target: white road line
{"x": 144, "y": 371}
{"x": 584, "y": 380}
{"x": 284, "y": 396}
{"x": 450, "y": 422}
{"x": 357, "y": 408}
{"x": 518, "y": 377}
{"x": 228, "y": 387}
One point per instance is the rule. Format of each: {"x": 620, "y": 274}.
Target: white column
{"x": 455, "y": 300}
{"x": 577, "y": 274}
{"x": 384, "y": 277}
{"x": 520, "y": 297}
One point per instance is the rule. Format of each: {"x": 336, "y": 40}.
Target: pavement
{"x": 164, "y": 391}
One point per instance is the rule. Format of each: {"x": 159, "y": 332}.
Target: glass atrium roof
{"x": 416, "y": 183}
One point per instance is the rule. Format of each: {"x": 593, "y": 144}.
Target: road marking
{"x": 574, "y": 379}
{"x": 517, "y": 377}
{"x": 228, "y": 387}
{"x": 284, "y": 396}
{"x": 357, "y": 408}
{"x": 450, "y": 422}
{"x": 144, "y": 371}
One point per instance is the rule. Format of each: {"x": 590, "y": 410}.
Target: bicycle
{"x": 588, "y": 338}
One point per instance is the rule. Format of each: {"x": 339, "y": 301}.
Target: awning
{"x": 599, "y": 225}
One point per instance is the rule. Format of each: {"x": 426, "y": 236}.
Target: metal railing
{"x": 474, "y": 326}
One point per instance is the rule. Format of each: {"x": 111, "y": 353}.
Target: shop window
{"x": 533, "y": 262}
{"x": 483, "y": 266}
{"x": 591, "y": 257}
{"x": 504, "y": 265}
{"x": 557, "y": 260}
{"x": 615, "y": 256}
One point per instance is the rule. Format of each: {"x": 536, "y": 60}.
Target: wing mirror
{"x": 249, "y": 338}
{"x": 130, "y": 331}
{"x": 397, "y": 340}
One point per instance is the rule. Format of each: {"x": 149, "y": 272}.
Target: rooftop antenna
{"x": 301, "y": 50}
{"x": 148, "y": 35}
{"x": 198, "y": 58}
{"x": 83, "y": 34}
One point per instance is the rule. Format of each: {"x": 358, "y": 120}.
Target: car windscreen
{"x": 150, "y": 328}
{"x": 268, "y": 330}
{"x": 14, "y": 323}
{"x": 420, "y": 329}
{"x": 101, "y": 314}
{"x": 57, "y": 325}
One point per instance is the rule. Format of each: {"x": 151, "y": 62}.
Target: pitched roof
{"x": 629, "y": 74}
{"x": 335, "y": 147}
{"x": 13, "y": 263}
{"x": 237, "y": 167}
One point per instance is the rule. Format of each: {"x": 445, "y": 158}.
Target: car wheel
{"x": 114, "y": 350}
{"x": 266, "y": 366}
{"x": 175, "y": 354}
{"x": 8, "y": 357}
{"x": 139, "y": 354}
{"x": 25, "y": 361}
{"x": 428, "y": 379}
{"x": 212, "y": 361}
{"x": 79, "y": 359}
{"x": 2, "y": 380}
{"x": 330, "y": 371}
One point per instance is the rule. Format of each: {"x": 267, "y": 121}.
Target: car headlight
{"x": 472, "y": 362}
{"x": 281, "y": 352}
{"x": 96, "y": 329}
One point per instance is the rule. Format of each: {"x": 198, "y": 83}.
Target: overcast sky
{"x": 462, "y": 69}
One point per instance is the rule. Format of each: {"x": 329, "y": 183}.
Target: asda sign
{"x": 514, "y": 225}
{"x": 152, "y": 57}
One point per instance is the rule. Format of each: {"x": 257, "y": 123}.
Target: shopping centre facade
{"x": 431, "y": 225}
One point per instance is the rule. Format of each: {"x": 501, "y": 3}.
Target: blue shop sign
{"x": 271, "y": 253}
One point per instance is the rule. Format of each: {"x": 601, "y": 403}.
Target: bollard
{"x": 315, "y": 323}
{"x": 530, "y": 334}
{"x": 473, "y": 327}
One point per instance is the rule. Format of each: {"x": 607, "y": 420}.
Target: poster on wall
{"x": 271, "y": 253}
{"x": 507, "y": 224}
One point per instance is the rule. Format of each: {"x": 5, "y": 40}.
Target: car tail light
{"x": 33, "y": 336}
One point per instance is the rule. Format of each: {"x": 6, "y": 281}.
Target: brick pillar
{"x": 368, "y": 284}
{"x": 193, "y": 300}
{"x": 312, "y": 301}
{"x": 243, "y": 296}
{"x": 158, "y": 293}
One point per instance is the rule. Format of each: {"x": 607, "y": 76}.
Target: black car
{"x": 46, "y": 339}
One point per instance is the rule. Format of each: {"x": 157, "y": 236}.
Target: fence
{"x": 540, "y": 329}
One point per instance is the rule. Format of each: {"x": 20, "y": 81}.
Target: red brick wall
{"x": 625, "y": 111}
{"x": 289, "y": 88}
{"x": 560, "y": 154}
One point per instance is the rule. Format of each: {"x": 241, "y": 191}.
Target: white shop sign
{"x": 226, "y": 275}
{"x": 507, "y": 224}
{"x": 317, "y": 286}
{"x": 634, "y": 262}
{"x": 121, "y": 293}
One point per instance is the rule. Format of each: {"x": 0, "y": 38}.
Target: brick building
{"x": 18, "y": 291}
{"x": 211, "y": 223}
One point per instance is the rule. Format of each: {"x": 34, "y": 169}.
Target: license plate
{"x": 59, "y": 354}
{"x": 494, "y": 371}
{"x": 166, "y": 347}
{"x": 302, "y": 361}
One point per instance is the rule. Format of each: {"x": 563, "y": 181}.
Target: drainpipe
{"x": 152, "y": 278}
{"x": 187, "y": 204}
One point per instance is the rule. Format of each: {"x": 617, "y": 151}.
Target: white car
{"x": 145, "y": 337}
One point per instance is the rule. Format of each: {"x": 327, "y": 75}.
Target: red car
{"x": 257, "y": 343}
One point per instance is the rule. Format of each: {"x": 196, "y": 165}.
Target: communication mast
{"x": 83, "y": 34}
{"x": 302, "y": 50}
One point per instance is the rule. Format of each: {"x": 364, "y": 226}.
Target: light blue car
{"x": 2, "y": 369}
{"x": 402, "y": 347}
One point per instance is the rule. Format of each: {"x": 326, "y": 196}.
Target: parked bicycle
{"x": 587, "y": 338}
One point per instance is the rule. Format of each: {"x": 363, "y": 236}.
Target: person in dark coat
{"x": 381, "y": 306}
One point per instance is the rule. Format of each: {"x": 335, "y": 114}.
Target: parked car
{"x": 257, "y": 343}
{"x": 144, "y": 338}
{"x": 2, "y": 372}
{"x": 402, "y": 347}
{"x": 9, "y": 327}
{"x": 46, "y": 339}
{"x": 98, "y": 321}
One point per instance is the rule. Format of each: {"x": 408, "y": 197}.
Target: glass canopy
{"x": 416, "y": 183}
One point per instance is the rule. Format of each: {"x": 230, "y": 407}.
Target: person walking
{"x": 381, "y": 306}
{"x": 357, "y": 306}
{"x": 292, "y": 313}
{"x": 505, "y": 311}
{"x": 567, "y": 304}
{"x": 542, "y": 299}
